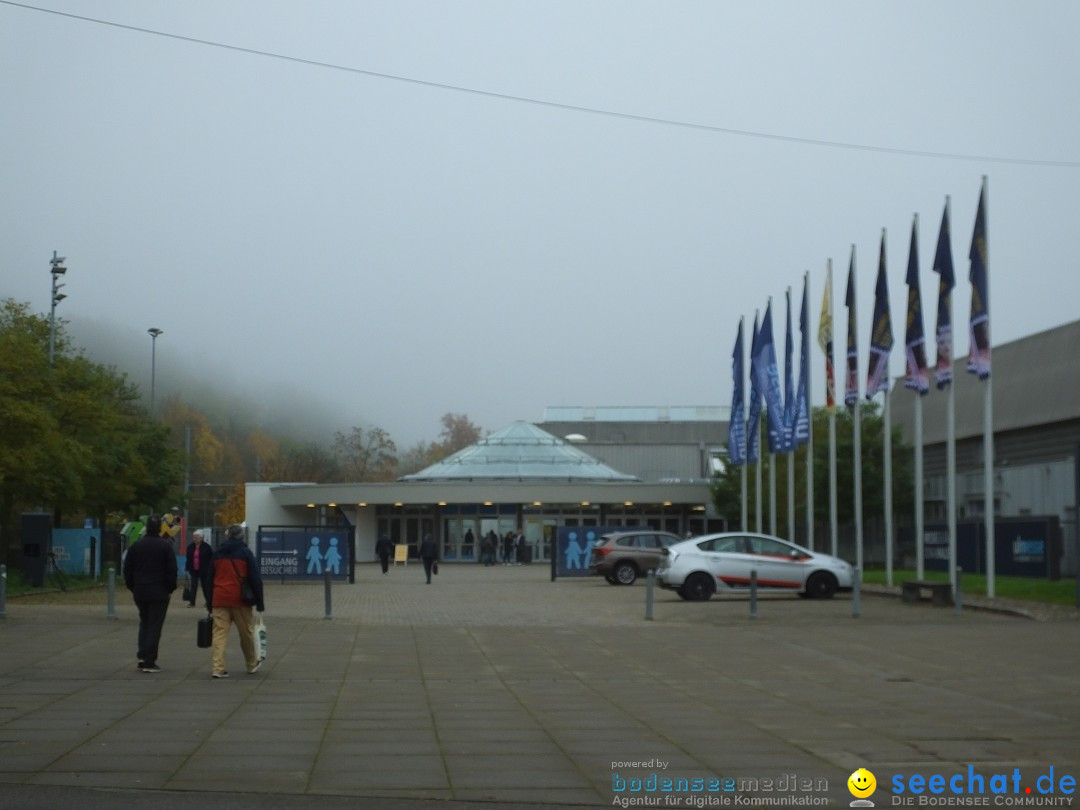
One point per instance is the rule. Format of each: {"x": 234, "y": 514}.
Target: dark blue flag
{"x": 767, "y": 380}
{"x": 736, "y": 423}
{"x": 801, "y": 431}
{"x": 851, "y": 379}
{"x": 753, "y": 416}
{"x": 943, "y": 266}
{"x": 918, "y": 375}
{"x": 881, "y": 336}
{"x": 979, "y": 353}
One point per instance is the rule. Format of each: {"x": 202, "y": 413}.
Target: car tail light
{"x": 602, "y": 551}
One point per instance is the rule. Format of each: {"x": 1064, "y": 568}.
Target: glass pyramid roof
{"x": 521, "y": 451}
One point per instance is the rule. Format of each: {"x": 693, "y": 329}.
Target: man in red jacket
{"x": 232, "y": 563}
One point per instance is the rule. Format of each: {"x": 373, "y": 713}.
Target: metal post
{"x": 1076, "y": 526}
{"x": 3, "y": 591}
{"x": 855, "y": 590}
{"x": 650, "y": 580}
{"x": 753, "y": 593}
{"x": 154, "y": 332}
{"x": 958, "y": 592}
{"x": 326, "y": 581}
{"x": 111, "y": 614}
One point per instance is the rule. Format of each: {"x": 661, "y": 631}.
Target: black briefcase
{"x": 206, "y": 631}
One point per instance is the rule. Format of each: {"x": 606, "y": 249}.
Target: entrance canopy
{"x": 520, "y": 452}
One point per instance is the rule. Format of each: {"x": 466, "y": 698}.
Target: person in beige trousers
{"x": 232, "y": 563}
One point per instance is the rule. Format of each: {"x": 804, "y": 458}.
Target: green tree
{"x": 73, "y": 437}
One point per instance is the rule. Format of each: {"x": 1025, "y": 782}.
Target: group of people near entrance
{"x": 150, "y": 573}
{"x": 512, "y": 547}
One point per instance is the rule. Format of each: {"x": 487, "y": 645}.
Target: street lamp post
{"x": 153, "y": 332}
{"x": 58, "y": 270}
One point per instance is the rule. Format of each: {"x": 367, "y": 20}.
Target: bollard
{"x": 856, "y": 582}
{"x": 958, "y": 597}
{"x": 326, "y": 579}
{"x": 650, "y": 580}
{"x": 112, "y": 593}
{"x": 3, "y": 591}
{"x": 753, "y": 593}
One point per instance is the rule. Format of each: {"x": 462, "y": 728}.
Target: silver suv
{"x": 621, "y": 557}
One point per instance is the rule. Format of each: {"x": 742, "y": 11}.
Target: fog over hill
{"x": 215, "y": 386}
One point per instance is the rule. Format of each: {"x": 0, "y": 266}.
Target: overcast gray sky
{"x": 532, "y": 203}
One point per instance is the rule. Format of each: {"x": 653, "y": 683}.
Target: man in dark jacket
{"x": 429, "y": 554}
{"x": 232, "y": 563}
{"x": 150, "y": 575}
{"x": 383, "y": 549}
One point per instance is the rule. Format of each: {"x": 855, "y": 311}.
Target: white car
{"x": 719, "y": 563}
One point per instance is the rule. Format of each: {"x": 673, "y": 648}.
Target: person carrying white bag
{"x": 238, "y": 587}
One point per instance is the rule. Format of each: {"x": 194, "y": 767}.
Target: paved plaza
{"x": 495, "y": 687}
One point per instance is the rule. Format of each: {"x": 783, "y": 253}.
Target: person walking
{"x": 198, "y": 568}
{"x": 383, "y": 549}
{"x": 150, "y": 575}
{"x": 232, "y": 563}
{"x": 429, "y": 555}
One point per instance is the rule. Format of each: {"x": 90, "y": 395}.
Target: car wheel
{"x": 821, "y": 586}
{"x": 625, "y": 573}
{"x": 697, "y": 588}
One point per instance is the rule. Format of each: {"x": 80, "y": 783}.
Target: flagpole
{"x": 757, "y": 464}
{"x": 988, "y": 418}
{"x": 919, "y": 510}
{"x": 834, "y": 528}
{"x": 757, "y": 481}
{"x": 809, "y": 425}
{"x": 772, "y": 489}
{"x": 887, "y": 460}
{"x": 791, "y": 453}
{"x": 950, "y": 435}
{"x": 743, "y": 525}
{"x": 772, "y": 455}
{"x": 857, "y": 439}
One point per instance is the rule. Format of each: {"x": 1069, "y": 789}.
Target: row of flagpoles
{"x": 787, "y": 408}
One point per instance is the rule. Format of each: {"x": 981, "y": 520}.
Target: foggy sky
{"x": 582, "y": 221}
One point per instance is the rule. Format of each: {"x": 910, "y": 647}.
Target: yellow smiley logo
{"x": 861, "y": 783}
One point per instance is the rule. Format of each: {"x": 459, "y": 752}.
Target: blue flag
{"x": 767, "y": 380}
{"x": 736, "y": 423}
{"x": 918, "y": 375}
{"x": 881, "y": 336}
{"x": 789, "y": 378}
{"x": 851, "y": 381}
{"x": 801, "y": 431}
{"x": 979, "y": 353}
{"x": 753, "y": 416}
{"x": 943, "y": 266}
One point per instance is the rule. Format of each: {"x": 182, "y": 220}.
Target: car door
{"x": 779, "y": 565}
{"x": 728, "y": 561}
